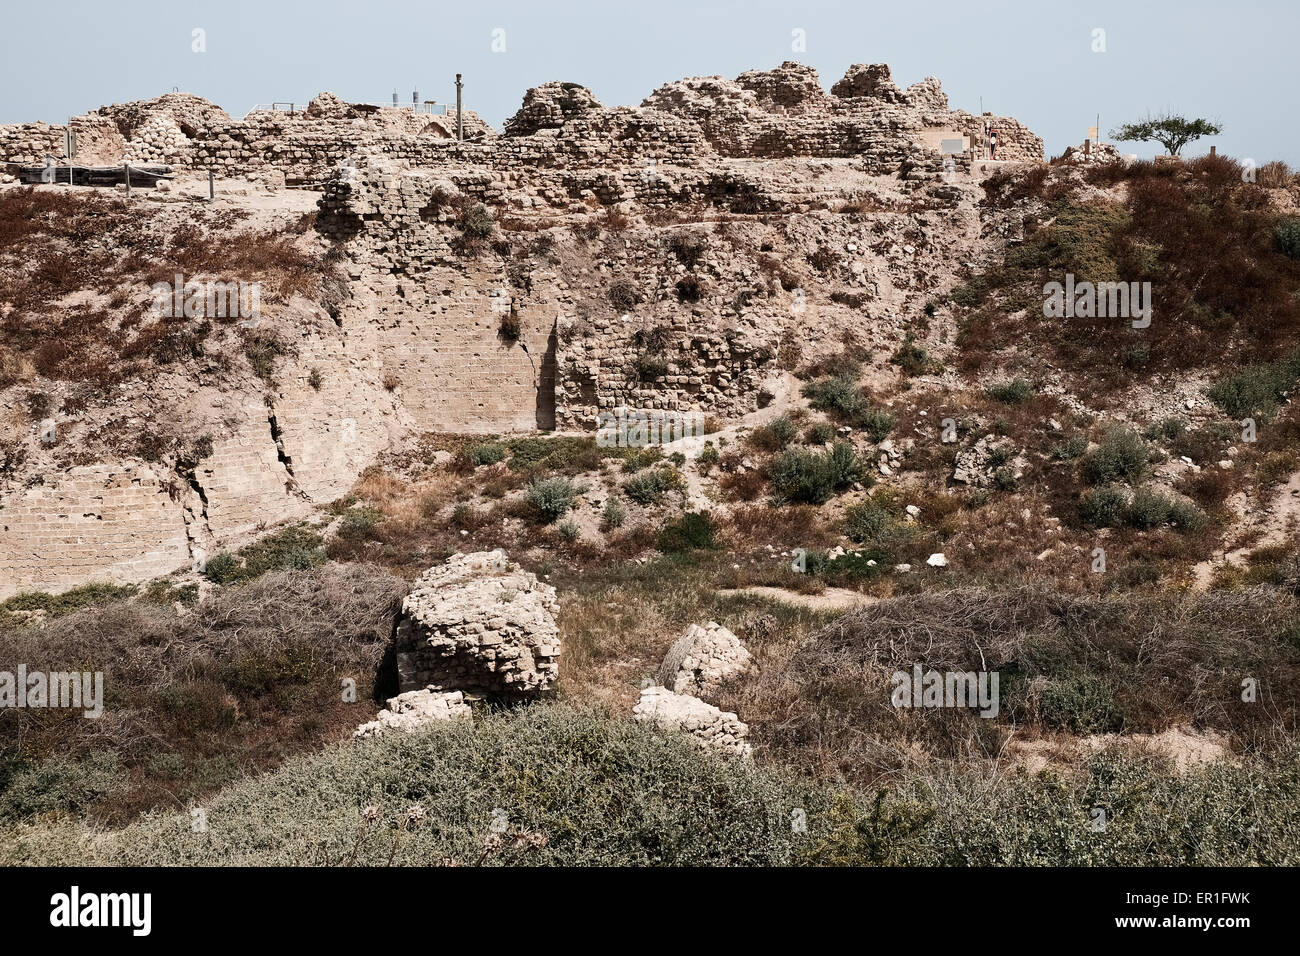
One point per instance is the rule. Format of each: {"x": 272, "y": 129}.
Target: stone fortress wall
{"x": 760, "y": 115}
{"x": 417, "y": 344}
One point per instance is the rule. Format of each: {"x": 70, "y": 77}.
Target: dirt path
{"x": 832, "y": 599}
{"x": 1276, "y": 521}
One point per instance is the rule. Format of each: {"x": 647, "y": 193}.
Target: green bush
{"x": 1185, "y": 516}
{"x": 66, "y": 602}
{"x": 634, "y": 458}
{"x": 222, "y": 568}
{"x": 551, "y": 498}
{"x": 57, "y": 786}
{"x": 622, "y": 294}
{"x": 1257, "y": 390}
{"x": 1287, "y": 235}
{"x": 1081, "y": 704}
{"x": 613, "y": 515}
{"x": 1148, "y": 509}
{"x": 610, "y": 792}
{"x": 1013, "y": 392}
{"x": 650, "y": 366}
{"x": 849, "y": 568}
{"x": 1070, "y": 449}
{"x": 487, "y": 453}
{"x": 775, "y": 435}
{"x": 295, "y": 548}
{"x": 870, "y": 523}
{"x": 819, "y": 433}
{"x": 476, "y": 222}
{"x": 838, "y": 395}
{"x": 875, "y": 422}
{"x": 569, "y": 530}
{"x": 814, "y": 477}
{"x": 601, "y": 791}
{"x": 707, "y": 458}
{"x": 569, "y": 454}
{"x": 1122, "y": 455}
{"x": 649, "y": 487}
{"x": 1169, "y": 429}
{"x": 693, "y": 531}
{"x": 1004, "y": 479}
{"x": 912, "y": 359}
{"x": 358, "y": 524}
{"x": 1104, "y": 507}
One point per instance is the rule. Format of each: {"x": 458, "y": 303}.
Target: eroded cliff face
{"x": 669, "y": 256}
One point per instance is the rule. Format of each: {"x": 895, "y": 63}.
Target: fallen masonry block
{"x": 416, "y": 709}
{"x": 976, "y": 466}
{"x": 702, "y": 659}
{"x": 479, "y": 623}
{"x": 707, "y": 725}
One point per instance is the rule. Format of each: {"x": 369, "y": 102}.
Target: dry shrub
{"x": 252, "y": 675}
{"x": 55, "y": 244}
{"x": 1134, "y": 663}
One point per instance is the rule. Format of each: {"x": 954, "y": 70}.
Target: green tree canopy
{"x": 1169, "y": 130}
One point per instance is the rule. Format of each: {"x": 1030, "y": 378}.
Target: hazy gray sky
{"x": 1231, "y": 61}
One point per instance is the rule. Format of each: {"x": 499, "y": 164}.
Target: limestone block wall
{"x": 1015, "y": 140}
{"x": 454, "y": 371}
{"x": 30, "y": 143}
{"x": 244, "y": 481}
{"x": 331, "y": 433}
{"x": 117, "y": 523}
{"x": 128, "y": 522}
{"x": 709, "y": 369}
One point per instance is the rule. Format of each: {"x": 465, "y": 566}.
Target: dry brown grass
{"x": 247, "y": 679}
{"x": 1140, "y": 663}
{"x": 54, "y": 245}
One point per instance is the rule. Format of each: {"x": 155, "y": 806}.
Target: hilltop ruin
{"x": 652, "y": 257}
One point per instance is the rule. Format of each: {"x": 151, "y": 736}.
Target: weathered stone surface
{"x": 703, "y": 659}
{"x": 409, "y": 337}
{"x": 550, "y": 106}
{"x": 707, "y": 725}
{"x": 479, "y": 623}
{"x": 975, "y": 466}
{"x": 1096, "y": 153}
{"x": 416, "y": 709}
{"x": 869, "y": 81}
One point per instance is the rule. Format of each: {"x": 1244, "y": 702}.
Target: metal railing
{"x": 433, "y": 109}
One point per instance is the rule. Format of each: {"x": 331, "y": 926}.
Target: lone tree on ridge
{"x": 1171, "y": 131}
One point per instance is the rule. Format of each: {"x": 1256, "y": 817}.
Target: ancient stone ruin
{"x": 703, "y": 659}
{"x": 642, "y": 257}
{"x": 415, "y": 710}
{"x": 475, "y": 625}
{"x": 481, "y": 624}
{"x": 703, "y": 723}
{"x": 697, "y": 666}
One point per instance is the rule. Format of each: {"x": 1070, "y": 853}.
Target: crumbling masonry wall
{"x": 116, "y": 524}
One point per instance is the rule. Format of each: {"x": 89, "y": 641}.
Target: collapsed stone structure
{"x": 479, "y": 623}
{"x": 476, "y": 624}
{"x": 785, "y": 112}
{"x": 652, "y": 257}
{"x": 978, "y": 465}
{"x": 696, "y": 666}
{"x": 703, "y": 659}
{"x": 190, "y": 132}
{"x": 705, "y": 724}
{"x": 415, "y": 710}
{"x": 761, "y": 114}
